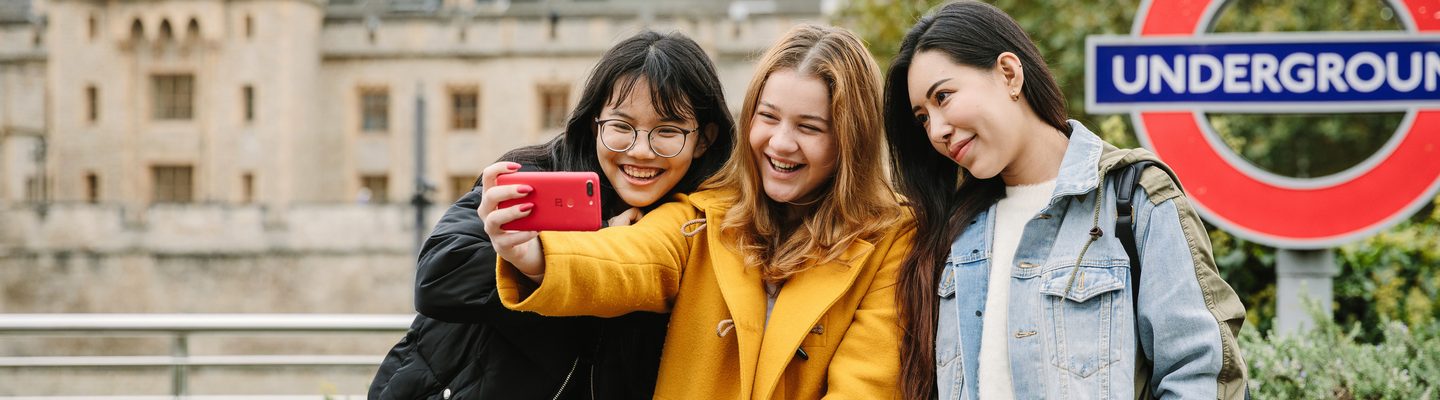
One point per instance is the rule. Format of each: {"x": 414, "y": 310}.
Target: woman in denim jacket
{"x": 1017, "y": 286}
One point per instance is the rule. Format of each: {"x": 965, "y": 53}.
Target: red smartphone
{"x": 564, "y": 201}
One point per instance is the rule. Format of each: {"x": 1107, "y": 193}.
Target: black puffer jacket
{"x": 465, "y": 345}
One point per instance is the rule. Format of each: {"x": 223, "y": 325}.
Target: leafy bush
{"x": 1392, "y": 276}
{"x": 1328, "y": 362}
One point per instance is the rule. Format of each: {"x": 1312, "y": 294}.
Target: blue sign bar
{"x": 1267, "y": 73}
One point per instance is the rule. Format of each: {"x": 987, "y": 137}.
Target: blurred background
{"x": 260, "y": 157}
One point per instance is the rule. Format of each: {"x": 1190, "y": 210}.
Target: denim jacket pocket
{"x": 1081, "y": 307}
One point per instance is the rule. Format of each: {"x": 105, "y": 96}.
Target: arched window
{"x": 192, "y": 30}
{"x": 166, "y": 33}
{"x": 137, "y": 30}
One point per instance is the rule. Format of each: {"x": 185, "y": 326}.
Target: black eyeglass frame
{"x": 649, "y": 136}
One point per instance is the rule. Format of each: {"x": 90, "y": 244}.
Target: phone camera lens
{"x": 590, "y": 188}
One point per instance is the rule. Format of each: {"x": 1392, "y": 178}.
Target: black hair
{"x": 683, "y": 84}
{"x": 973, "y": 34}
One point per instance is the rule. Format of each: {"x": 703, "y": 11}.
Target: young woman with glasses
{"x": 779, "y": 274}
{"x": 1021, "y": 284}
{"x": 651, "y": 119}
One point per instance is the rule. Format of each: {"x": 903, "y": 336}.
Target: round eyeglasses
{"x": 665, "y": 140}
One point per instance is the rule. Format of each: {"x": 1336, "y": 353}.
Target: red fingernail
{"x": 526, "y": 207}
{"x": 513, "y": 166}
{"x": 523, "y": 189}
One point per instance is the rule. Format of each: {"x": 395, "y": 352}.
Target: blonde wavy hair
{"x": 859, "y": 205}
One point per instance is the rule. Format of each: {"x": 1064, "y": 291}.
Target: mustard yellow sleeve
{"x": 867, "y": 363}
{"x": 606, "y": 273}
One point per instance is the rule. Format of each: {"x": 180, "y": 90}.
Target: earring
{"x": 1015, "y": 96}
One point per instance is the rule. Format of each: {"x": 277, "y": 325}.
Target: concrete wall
{"x": 203, "y": 259}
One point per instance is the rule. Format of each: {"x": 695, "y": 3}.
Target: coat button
{"x": 445, "y": 394}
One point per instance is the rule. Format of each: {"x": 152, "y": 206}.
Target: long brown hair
{"x": 973, "y": 34}
{"x": 858, "y": 202}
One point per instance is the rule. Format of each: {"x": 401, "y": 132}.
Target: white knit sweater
{"x": 1020, "y": 204}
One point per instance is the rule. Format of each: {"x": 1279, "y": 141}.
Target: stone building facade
{"x": 242, "y": 156}
{"x": 280, "y": 102}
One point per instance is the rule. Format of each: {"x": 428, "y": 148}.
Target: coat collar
{"x": 1079, "y": 170}
{"x": 765, "y": 351}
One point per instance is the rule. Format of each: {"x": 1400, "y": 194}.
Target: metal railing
{"x": 181, "y": 326}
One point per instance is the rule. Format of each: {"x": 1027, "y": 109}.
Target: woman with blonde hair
{"x": 779, "y": 273}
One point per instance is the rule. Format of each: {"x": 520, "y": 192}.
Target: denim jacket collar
{"x": 1080, "y": 169}
{"x": 974, "y": 243}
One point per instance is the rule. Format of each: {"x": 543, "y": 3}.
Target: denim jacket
{"x": 1072, "y": 329}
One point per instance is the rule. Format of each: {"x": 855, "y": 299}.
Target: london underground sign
{"x": 1168, "y": 73}
{"x": 1286, "y": 72}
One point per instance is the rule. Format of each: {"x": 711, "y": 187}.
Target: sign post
{"x": 1169, "y": 72}
{"x": 1302, "y": 274}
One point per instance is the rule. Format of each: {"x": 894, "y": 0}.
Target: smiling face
{"x": 638, "y": 175}
{"x": 791, "y": 138}
{"x": 968, "y": 113}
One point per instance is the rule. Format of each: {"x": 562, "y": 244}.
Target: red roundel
{"x": 1292, "y": 212}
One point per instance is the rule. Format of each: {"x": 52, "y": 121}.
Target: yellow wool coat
{"x": 842, "y": 315}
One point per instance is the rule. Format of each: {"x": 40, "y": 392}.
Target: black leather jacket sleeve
{"x": 455, "y": 274}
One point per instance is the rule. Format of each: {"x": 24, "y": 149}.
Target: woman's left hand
{"x": 629, "y": 217}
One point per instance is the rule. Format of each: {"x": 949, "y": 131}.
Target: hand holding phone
{"x": 562, "y": 201}
{"x": 519, "y": 243}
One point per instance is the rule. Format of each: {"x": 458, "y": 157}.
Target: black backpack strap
{"x": 1126, "y": 181}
